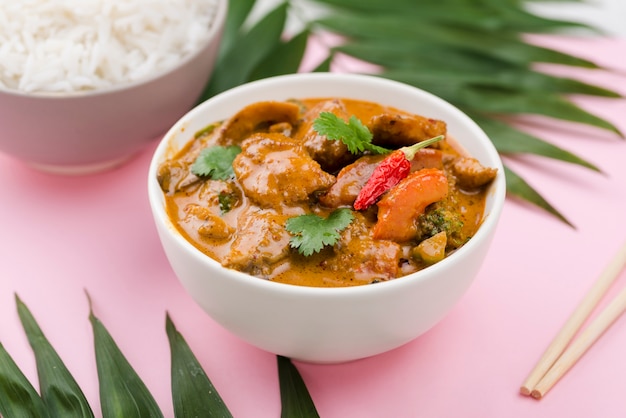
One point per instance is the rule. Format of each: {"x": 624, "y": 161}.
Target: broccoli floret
{"x": 438, "y": 218}
{"x": 227, "y": 201}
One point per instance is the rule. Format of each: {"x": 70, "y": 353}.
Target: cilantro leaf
{"x": 311, "y": 232}
{"x": 354, "y": 134}
{"x": 216, "y": 162}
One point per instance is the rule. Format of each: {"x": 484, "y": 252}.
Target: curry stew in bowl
{"x": 325, "y": 192}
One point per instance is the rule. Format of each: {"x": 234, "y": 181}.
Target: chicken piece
{"x": 330, "y": 154}
{"x": 471, "y": 174}
{"x": 395, "y": 130}
{"x": 275, "y": 170}
{"x": 254, "y": 117}
{"x": 371, "y": 259}
{"x": 211, "y": 225}
{"x": 350, "y": 181}
{"x": 261, "y": 240}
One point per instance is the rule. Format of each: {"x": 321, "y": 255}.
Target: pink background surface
{"x": 63, "y": 236}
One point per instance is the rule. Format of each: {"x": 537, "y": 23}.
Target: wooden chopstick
{"x": 586, "y": 339}
{"x": 536, "y": 384}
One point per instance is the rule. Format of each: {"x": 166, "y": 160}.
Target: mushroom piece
{"x": 174, "y": 175}
{"x": 397, "y": 130}
{"x": 252, "y": 117}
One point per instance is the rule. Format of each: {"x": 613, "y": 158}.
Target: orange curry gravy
{"x": 286, "y": 169}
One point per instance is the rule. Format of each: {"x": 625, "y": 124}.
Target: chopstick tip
{"x": 524, "y": 390}
{"x": 536, "y": 394}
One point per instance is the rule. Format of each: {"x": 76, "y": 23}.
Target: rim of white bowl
{"x": 490, "y": 220}
{"x": 214, "y": 30}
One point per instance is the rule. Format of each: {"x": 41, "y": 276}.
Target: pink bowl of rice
{"x": 85, "y": 85}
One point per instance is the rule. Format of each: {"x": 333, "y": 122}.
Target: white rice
{"x": 72, "y": 45}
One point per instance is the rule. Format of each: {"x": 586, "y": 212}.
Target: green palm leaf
{"x": 60, "y": 392}
{"x": 518, "y": 19}
{"x": 122, "y": 392}
{"x": 324, "y": 65}
{"x": 502, "y": 101}
{"x": 490, "y": 15}
{"x": 518, "y": 187}
{"x": 509, "y": 140}
{"x": 506, "y": 46}
{"x": 238, "y": 12}
{"x": 246, "y": 52}
{"x": 457, "y": 66}
{"x": 285, "y": 58}
{"x": 18, "y": 397}
{"x": 295, "y": 398}
{"x": 193, "y": 394}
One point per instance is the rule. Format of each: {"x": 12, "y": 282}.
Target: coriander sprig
{"x": 353, "y": 133}
{"x": 311, "y": 232}
{"x": 216, "y": 162}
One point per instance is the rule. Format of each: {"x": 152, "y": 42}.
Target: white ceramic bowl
{"x": 326, "y": 325}
{"x": 84, "y": 132}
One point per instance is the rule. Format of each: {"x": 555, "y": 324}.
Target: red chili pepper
{"x": 389, "y": 172}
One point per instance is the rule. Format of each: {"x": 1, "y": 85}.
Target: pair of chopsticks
{"x": 557, "y": 360}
